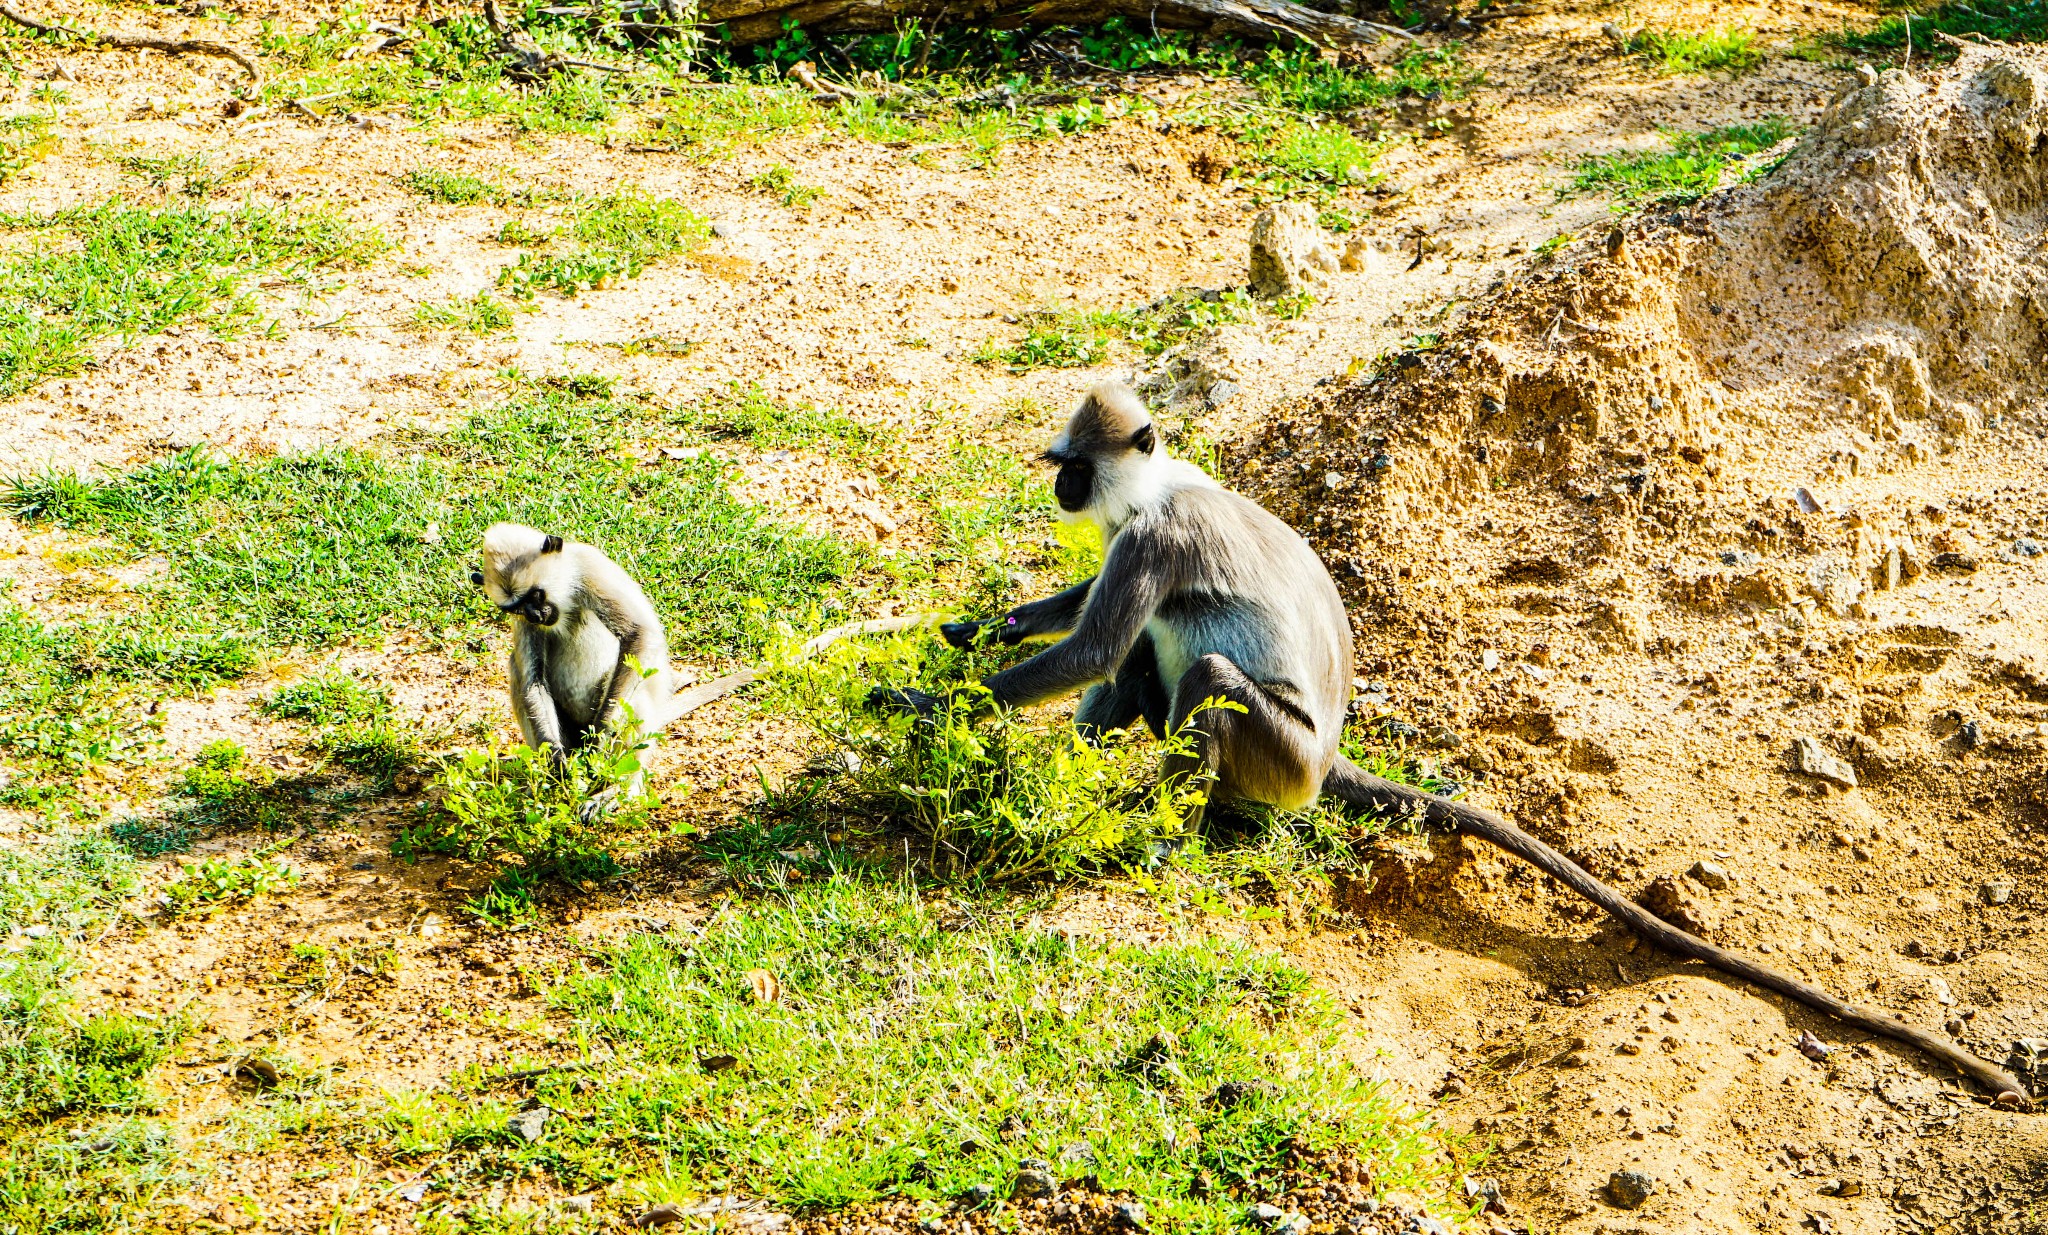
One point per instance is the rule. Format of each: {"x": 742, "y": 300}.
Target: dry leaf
{"x": 766, "y": 988}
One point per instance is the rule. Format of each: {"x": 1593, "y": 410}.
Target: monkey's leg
{"x": 1136, "y": 692}
{"x": 1359, "y": 788}
{"x": 1266, "y": 753}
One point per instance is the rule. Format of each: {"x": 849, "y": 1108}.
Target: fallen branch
{"x": 1388, "y": 796}
{"x": 697, "y": 696}
{"x": 747, "y": 22}
{"x": 147, "y": 42}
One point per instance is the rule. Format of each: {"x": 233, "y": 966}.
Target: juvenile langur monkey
{"x": 579, "y": 626}
{"x": 1204, "y": 595}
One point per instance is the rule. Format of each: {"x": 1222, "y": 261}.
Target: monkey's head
{"x": 523, "y": 572}
{"x": 1108, "y": 456}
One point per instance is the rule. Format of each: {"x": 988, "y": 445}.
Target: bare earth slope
{"x": 1765, "y": 469}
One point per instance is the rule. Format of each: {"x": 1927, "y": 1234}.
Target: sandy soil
{"x": 1606, "y": 673}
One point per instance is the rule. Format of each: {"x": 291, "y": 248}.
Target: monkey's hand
{"x": 914, "y": 702}
{"x": 1006, "y": 631}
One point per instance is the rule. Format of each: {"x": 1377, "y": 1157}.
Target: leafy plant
{"x": 515, "y": 808}
{"x": 214, "y": 881}
{"x": 749, "y": 412}
{"x": 781, "y": 181}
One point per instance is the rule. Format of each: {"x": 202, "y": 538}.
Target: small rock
{"x": 262, "y": 1071}
{"x": 414, "y": 1192}
{"x": 1267, "y": 1214}
{"x": 977, "y": 1196}
{"x": 1970, "y": 736}
{"x": 2027, "y": 546}
{"x": 1630, "y": 1189}
{"x": 1667, "y": 898}
{"x": 1288, "y": 252}
{"x": 1489, "y": 660}
{"x": 725, "y": 230}
{"x": 1230, "y": 1093}
{"x": 1011, "y": 1129}
{"x": 1810, "y": 757}
{"x": 1220, "y": 393}
{"x": 2028, "y": 1058}
{"x": 528, "y": 1125}
{"x": 1939, "y": 989}
{"x": 1843, "y": 1188}
{"x": 1130, "y": 1215}
{"x": 1741, "y": 558}
{"x": 1032, "y": 1182}
{"x": 1954, "y": 563}
{"x": 659, "y": 1215}
{"x": 1813, "y": 1048}
{"x": 576, "y": 1205}
{"x": 1079, "y": 1152}
{"x": 1709, "y": 875}
{"x": 1997, "y": 893}
{"x": 1380, "y": 463}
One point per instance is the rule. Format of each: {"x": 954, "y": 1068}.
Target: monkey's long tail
{"x": 697, "y": 696}
{"x": 1355, "y": 787}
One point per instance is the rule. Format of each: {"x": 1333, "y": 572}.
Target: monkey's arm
{"x": 1055, "y": 615}
{"x": 538, "y": 720}
{"x": 1120, "y": 601}
{"x": 632, "y": 638}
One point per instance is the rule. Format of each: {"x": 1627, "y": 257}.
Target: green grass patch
{"x": 59, "y": 718}
{"x": 310, "y": 549}
{"x": 749, "y": 414}
{"x": 462, "y": 189}
{"x": 1688, "y": 171}
{"x": 481, "y": 314}
{"x": 1078, "y": 338}
{"x": 194, "y": 174}
{"x": 610, "y": 238}
{"x": 219, "y": 882}
{"x": 80, "y": 276}
{"x": 850, "y": 1041}
{"x": 1732, "y": 51}
{"x": 2008, "y": 21}
{"x": 107, "y": 1175}
{"x": 52, "y": 1062}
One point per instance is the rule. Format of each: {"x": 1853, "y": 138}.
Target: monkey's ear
{"x": 1145, "y": 439}
{"x": 551, "y": 544}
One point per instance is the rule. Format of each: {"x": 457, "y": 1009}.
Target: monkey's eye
{"x": 476, "y": 576}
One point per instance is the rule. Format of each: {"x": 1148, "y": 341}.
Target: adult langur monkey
{"x": 1204, "y": 595}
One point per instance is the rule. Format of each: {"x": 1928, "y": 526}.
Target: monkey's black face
{"x": 535, "y": 607}
{"x": 1074, "y": 487}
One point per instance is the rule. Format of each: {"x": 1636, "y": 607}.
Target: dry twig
{"x": 146, "y": 42}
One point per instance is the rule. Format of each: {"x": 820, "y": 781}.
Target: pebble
{"x": 1813, "y": 1048}
{"x": 1130, "y": 1215}
{"x": 977, "y": 1196}
{"x": 1810, "y": 757}
{"x": 1740, "y": 557}
{"x": 1971, "y": 735}
{"x": 1032, "y": 1182}
{"x": 1998, "y": 893}
{"x": 1079, "y": 1151}
{"x": 1380, "y": 463}
{"x": 1267, "y": 1214}
{"x": 1709, "y": 874}
{"x": 1220, "y": 393}
{"x": 528, "y": 1125}
{"x": 2027, "y": 546}
{"x": 1630, "y": 1189}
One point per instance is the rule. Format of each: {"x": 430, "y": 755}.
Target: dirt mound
{"x": 1865, "y": 305}
{"x": 1707, "y": 501}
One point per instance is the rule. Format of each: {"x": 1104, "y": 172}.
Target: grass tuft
{"x": 1731, "y": 51}
{"x": 1690, "y": 170}
{"x": 480, "y": 314}
{"x": 613, "y": 237}
{"x": 2007, "y": 21}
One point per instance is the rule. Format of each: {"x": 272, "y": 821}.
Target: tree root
{"x": 147, "y": 42}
